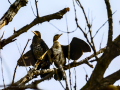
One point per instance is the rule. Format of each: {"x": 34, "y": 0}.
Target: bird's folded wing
{"x": 28, "y": 58}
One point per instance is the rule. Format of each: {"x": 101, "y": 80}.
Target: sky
{"x": 95, "y": 10}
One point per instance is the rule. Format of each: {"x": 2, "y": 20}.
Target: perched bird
{"x": 38, "y": 48}
{"x": 60, "y": 52}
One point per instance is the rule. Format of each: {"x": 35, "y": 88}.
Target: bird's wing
{"x": 45, "y": 47}
{"x": 28, "y": 58}
{"x": 77, "y": 47}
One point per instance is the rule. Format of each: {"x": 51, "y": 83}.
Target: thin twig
{"x": 38, "y": 72}
{"x": 30, "y": 72}
{"x": 101, "y": 40}
{"x": 36, "y": 8}
{"x": 18, "y": 48}
{"x": 2, "y": 36}
{"x": 57, "y": 15}
{"x": 63, "y": 31}
{"x": 74, "y": 64}
{"x": 19, "y": 61}
{"x": 79, "y": 4}
{"x": 103, "y": 25}
{"x": 62, "y": 85}
{"x": 89, "y": 26}
{"x": 32, "y": 9}
{"x": 75, "y": 80}
{"x": 2, "y": 69}
{"x": 68, "y": 54}
{"x": 86, "y": 74}
{"x": 9, "y": 1}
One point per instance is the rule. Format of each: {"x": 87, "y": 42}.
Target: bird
{"x": 38, "y": 48}
{"x": 60, "y": 52}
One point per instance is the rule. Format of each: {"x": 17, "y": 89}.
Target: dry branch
{"x": 51, "y": 71}
{"x": 110, "y": 22}
{"x": 18, "y": 62}
{"x": 102, "y": 64}
{"x": 12, "y": 11}
{"x": 85, "y": 34}
{"x": 37, "y": 20}
{"x": 110, "y": 80}
{"x": 89, "y": 27}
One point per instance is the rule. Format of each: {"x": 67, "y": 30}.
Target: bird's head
{"x": 56, "y": 37}
{"x": 37, "y": 33}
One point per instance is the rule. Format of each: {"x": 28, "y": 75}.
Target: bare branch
{"x": 111, "y": 79}
{"x": 89, "y": 27}
{"x": 36, "y": 8}
{"x": 103, "y": 25}
{"x": 19, "y": 61}
{"x": 85, "y": 35}
{"x": 12, "y": 11}
{"x": 32, "y": 9}
{"x": 110, "y": 32}
{"x": 68, "y": 54}
{"x": 101, "y": 40}
{"x": 57, "y": 15}
{"x": 74, "y": 64}
{"x": 30, "y": 72}
{"x": 2, "y": 69}
{"x": 2, "y": 36}
{"x": 102, "y": 64}
{"x": 63, "y": 31}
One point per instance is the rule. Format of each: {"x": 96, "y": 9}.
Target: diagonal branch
{"x": 111, "y": 79}
{"x": 36, "y": 8}
{"x": 18, "y": 62}
{"x": 110, "y": 32}
{"x": 85, "y": 35}
{"x": 102, "y": 64}
{"x": 89, "y": 27}
{"x": 37, "y": 20}
{"x": 12, "y": 11}
{"x": 51, "y": 71}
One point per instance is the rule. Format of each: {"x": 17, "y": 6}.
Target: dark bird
{"x": 38, "y": 48}
{"x": 60, "y": 52}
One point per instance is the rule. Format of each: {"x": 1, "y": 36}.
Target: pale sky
{"x": 95, "y": 9}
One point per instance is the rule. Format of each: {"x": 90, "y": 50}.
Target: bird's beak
{"x": 34, "y": 33}
{"x": 60, "y": 34}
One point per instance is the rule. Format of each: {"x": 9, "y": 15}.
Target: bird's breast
{"x": 57, "y": 50}
{"x": 37, "y": 50}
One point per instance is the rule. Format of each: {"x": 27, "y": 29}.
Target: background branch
{"x": 37, "y": 20}
{"x": 12, "y": 11}
{"x": 110, "y": 80}
{"x": 110, "y": 32}
{"x": 102, "y": 64}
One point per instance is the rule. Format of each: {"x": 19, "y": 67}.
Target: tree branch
{"x": 37, "y": 20}
{"x": 110, "y": 80}
{"x": 102, "y": 64}
{"x": 110, "y": 33}
{"x": 12, "y": 11}
{"x": 89, "y": 27}
{"x": 51, "y": 71}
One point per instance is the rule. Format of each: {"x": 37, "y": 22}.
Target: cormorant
{"x": 60, "y": 52}
{"x": 38, "y": 48}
